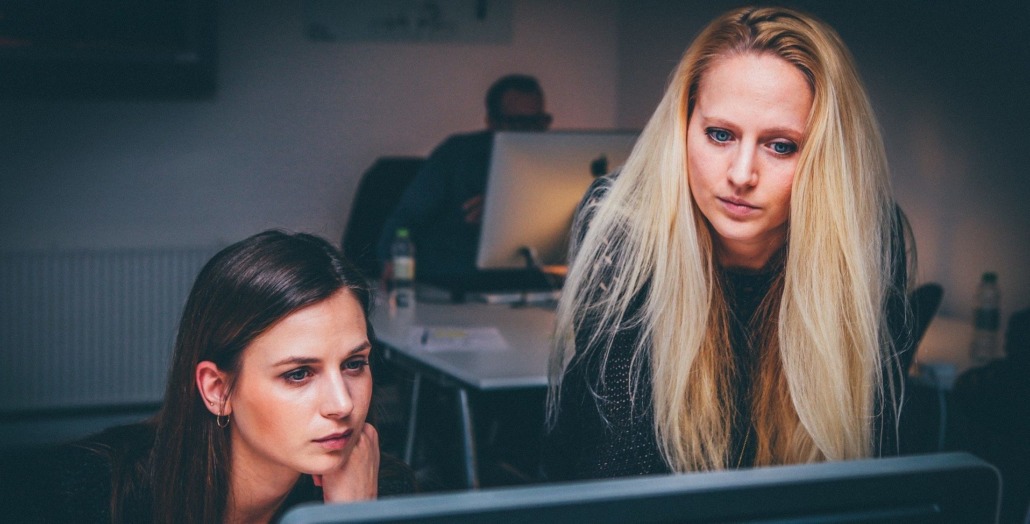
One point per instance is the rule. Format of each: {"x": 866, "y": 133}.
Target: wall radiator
{"x": 90, "y": 329}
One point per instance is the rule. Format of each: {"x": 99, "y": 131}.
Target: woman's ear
{"x": 213, "y": 385}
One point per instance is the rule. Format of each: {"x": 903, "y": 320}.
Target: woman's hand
{"x": 358, "y": 477}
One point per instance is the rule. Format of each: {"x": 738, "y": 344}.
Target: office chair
{"x": 924, "y": 419}
{"x": 378, "y": 193}
{"x": 380, "y": 189}
{"x": 925, "y": 301}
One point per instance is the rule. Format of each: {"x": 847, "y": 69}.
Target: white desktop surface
{"x": 947, "y": 341}
{"x": 527, "y": 330}
{"x": 943, "y": 354}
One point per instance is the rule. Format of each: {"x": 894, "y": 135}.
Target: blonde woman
{"x": 737, "y": 293}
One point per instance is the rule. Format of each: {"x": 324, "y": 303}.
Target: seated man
{"x": 442, "y": 207}
{"x": 990, "y": 403}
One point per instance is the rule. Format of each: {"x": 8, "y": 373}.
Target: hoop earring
{"x": 219, "y": 418}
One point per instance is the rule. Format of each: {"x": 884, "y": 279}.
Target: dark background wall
{"x": 291, "y": 128}
{"x": 295, "y": 122}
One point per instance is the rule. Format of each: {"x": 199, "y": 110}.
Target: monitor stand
{"x": 533, "y": 266}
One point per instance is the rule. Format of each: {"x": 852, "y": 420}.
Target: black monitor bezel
{"x": 951, "y": 487}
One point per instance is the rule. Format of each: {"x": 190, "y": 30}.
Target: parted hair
{"x": 239, "y": 294}
{"x": 822, "y": 329}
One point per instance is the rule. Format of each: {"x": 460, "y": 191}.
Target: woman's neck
{"x": 754, "y": 261}
{"x": 254, "y": 494}
{"x": 753, "y": 257}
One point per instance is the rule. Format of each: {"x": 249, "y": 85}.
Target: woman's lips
{"x": 737, "y": 207}
{"x": 334, "y": 442}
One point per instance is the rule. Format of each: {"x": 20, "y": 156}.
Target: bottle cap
{"x": 402, "y": 232}
{"x": 990, "y": 277}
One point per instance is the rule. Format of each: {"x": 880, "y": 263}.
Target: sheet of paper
{"x": 532, "y": 297}
{"x": 449, "y": 338}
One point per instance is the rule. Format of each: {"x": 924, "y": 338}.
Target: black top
{"x": 431, "y": 207}
{"x": 75, "y": 481}
{"x": 612, "y": 435}
{"x": 583, "y": 446}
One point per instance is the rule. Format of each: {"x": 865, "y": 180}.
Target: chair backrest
{"x": 925, "y": 301}
{"x": 380, "y": 189}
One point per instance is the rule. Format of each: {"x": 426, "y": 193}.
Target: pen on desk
{"x": 425, "y": 336}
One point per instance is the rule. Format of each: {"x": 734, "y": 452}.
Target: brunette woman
{"x": 266, "y": 403}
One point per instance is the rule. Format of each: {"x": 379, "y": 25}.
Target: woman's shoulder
{"x": 599, "y": 188}
{"x": 73, "y": 481}
{"x": 587, "y": 207}
{"x": 395, "y": 477}
{"x": 127, "y": 445}
{"x": 56, "y": 483}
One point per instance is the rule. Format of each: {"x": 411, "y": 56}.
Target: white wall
{"x": 948, "y": 80}
{"x": 295, "y": 123}
{"x": 292, "y": 127}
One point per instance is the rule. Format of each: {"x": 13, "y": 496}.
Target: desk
{"x": 523, "y": 364}
{"x": 942, "y": 355}
{"x": 944, "y": 350}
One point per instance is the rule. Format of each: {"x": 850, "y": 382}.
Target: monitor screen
{"x": 951, "y": 487}
{"x": 533, "y": 186}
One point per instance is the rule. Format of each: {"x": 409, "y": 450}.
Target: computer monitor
{"x": 533, "y": 186}
{"x": 952, "y": 487}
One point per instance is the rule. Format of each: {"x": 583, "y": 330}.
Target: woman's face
{"x": 743, "y": 140}
{"x": 302, "y": 391}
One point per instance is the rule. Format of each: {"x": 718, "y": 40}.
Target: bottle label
{"x": 404, "y": 268}
{"x": 404, "y": 300}
{"x": 986, "y": 319}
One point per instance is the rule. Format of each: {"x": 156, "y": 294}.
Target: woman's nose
{"x": 744, "y": 171}
{"x": 336, "y": 399}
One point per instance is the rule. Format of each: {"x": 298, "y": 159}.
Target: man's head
{"x": 516, "y": 103}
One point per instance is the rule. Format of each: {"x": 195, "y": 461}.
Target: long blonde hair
{"x": 823, "y": 332}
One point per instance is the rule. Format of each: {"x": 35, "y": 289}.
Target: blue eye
{"x": 356, "y": 365}
{"x": 784, "y": 148}
{"x": 718, "y": 135}
{"x": 297, "y": 375}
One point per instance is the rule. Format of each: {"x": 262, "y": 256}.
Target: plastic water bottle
{"x": 402, "y": 284}
{"x": 986, "y": 320}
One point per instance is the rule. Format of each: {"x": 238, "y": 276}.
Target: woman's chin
{"x": 326, "y": 464}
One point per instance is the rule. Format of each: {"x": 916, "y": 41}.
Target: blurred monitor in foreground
{"x": 952, "y": 487}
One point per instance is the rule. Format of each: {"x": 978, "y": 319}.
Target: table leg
{"x": 468, "y": 439}
{"x": 409, "y": 444}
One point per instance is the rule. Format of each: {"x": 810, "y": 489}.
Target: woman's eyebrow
{"x": 295, "y": 360}
{"x": 789, "y": 131}
{"x": 361, "y": 347}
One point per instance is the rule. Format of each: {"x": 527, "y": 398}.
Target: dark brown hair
{"x": 240, "y": 293}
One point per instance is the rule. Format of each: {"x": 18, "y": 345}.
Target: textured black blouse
{"x": 74, "y": 483}
{"x": 601, "y": 432}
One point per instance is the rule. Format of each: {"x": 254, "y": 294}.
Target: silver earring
{"x": 219, "y": 418}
